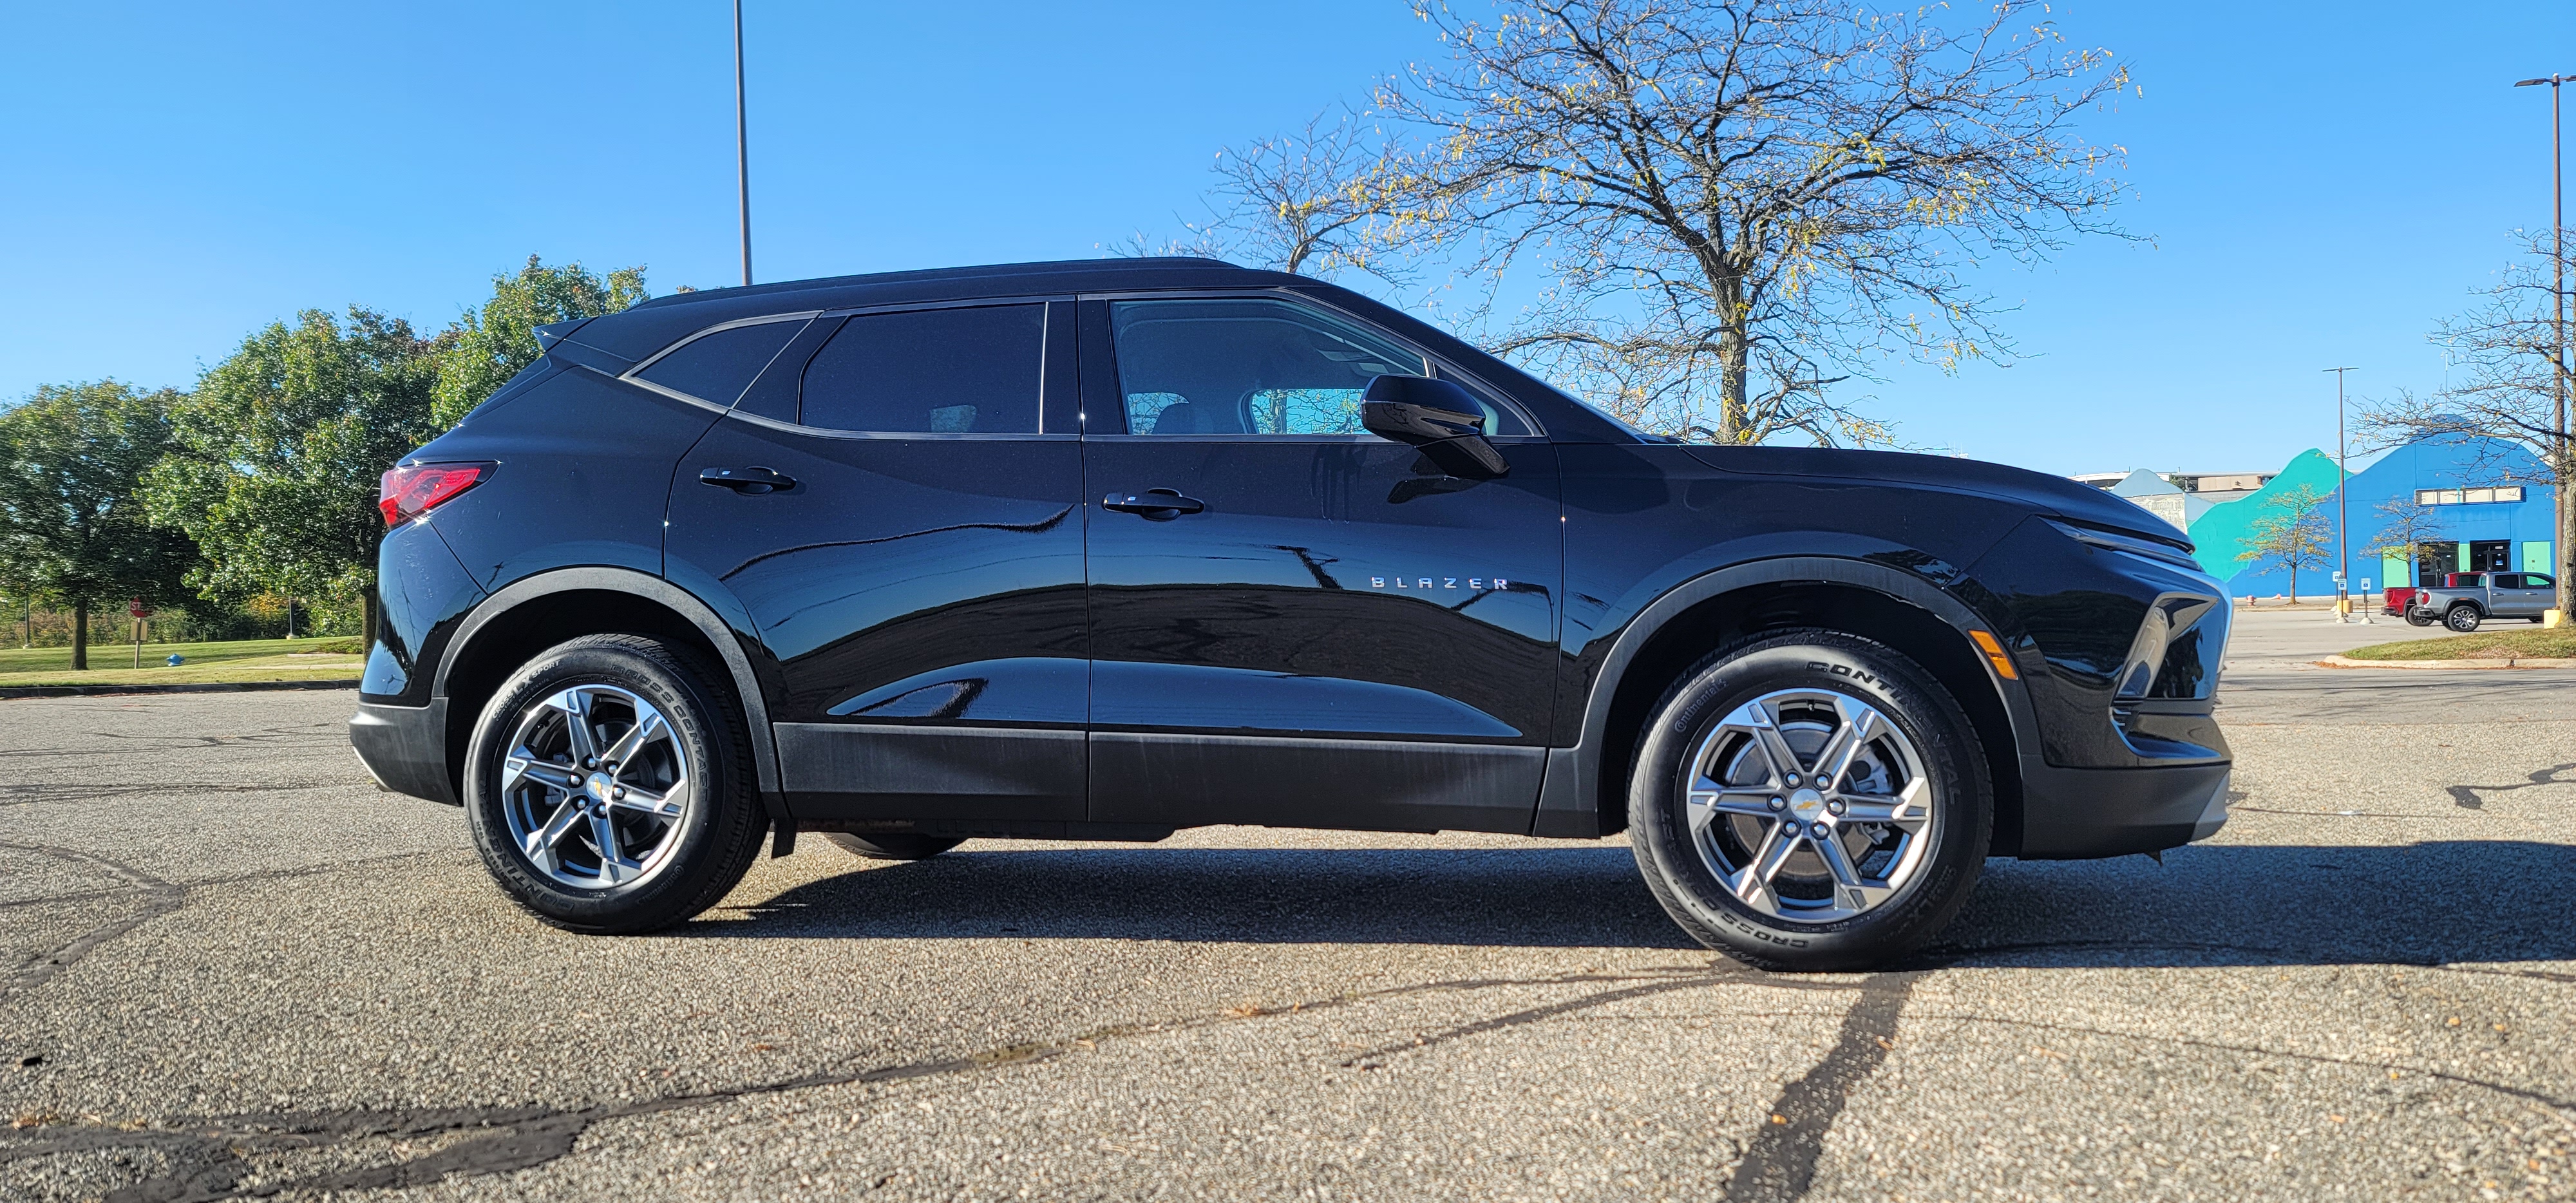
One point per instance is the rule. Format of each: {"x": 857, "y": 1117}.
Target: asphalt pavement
{"x": 230, "y": 968}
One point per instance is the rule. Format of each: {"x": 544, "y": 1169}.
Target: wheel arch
{"x": 537, "y": 612}
{"x": 1586, "y": 787}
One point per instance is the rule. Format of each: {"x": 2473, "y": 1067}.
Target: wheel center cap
{"x": 596, "y": 787}
{"x": 1806, "y": 804}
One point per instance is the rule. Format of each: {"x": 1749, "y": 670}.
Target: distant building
{"x": 2488, "y": 516}
{"x": 2177, "y": 497}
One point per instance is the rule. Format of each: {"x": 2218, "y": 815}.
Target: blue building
{"x": 2487, "y": 516}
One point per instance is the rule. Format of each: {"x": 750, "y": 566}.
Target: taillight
{"x": 413, "y": 490}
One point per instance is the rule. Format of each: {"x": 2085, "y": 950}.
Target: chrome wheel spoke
{"x": 1712, "y": 800}
{"x": 645, "y": 731}
{"x": 1753, "y": 885}
{"x": 1850, "y": 891}
{"x": 575, "y": 705}
{"x": 1856, "y": 732}
{"x": 613, "y": 865}
{"x": 664, "y": 804}
{"x": 540, "y": 844}
{"x": 1753, "y": 720}
{"x": 1909, "y": 809}
{"x": 523, "y": 766}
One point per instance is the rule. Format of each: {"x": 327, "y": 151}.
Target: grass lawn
{"x": 2493, "y": 643}
{"x": 238, "y": 660}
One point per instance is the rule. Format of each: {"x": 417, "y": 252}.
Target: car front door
{"x": 2530, "y": 596}
{"x": 894, "y": 506}
{"x": 1294, "y": 622}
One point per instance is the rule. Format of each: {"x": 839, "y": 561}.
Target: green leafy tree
{"x": 73, "y": 528}
{"x": 278, "y": 453}
{"x": 2292, "y": 533}
{"x": 490, "y": 345}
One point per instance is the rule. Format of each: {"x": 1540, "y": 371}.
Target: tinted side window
{"x": 931, "y": 371}
{"x": 717, "y": 367}
{"x": 1249, "y": 366}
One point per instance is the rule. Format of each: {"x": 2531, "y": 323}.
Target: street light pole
{"x": 2558, "y": 318}
{"x": 2343, "y": 510}
{"x": 741, "y": 145}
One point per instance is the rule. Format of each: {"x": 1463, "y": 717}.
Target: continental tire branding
{"x": 1860, "y": 675}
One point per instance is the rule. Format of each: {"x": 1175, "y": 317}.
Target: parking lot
{"x": 230, "y": 967}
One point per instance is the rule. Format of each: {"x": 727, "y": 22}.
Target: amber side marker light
{"x": 1994, "y": 654}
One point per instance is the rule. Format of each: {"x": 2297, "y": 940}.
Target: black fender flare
{"x": 746, "y": 683}
{"x": 1569, "y": 803}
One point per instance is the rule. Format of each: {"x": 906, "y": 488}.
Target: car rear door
{"x": 894, "y": 507}
{"x": 1320, "y": 629}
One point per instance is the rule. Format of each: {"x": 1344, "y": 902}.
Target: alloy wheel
{"x": 596, "y": 787}
{"x": 1810, "y": 805}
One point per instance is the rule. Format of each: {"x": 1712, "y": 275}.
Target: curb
{"x": 2339, "y": 661}
{"x": 94, "y": 691}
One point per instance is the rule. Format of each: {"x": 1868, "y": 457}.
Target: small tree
{"x": 279, "y": 451}
{"x": 1735, "y": 206}
{"x": 2406, "y": 525}
{"x": 2512, "y": 392}
{"x": 488, "y": 346}
{"x": 73, "y": 527}
{"x": 2292, "y": 533}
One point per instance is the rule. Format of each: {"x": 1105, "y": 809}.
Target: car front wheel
{"x": 1811, "y": 801}
{"x": 2463, "y": 619}
{"x": 609, "y": 786}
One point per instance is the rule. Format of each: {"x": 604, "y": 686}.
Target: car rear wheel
{"x": 893, "y": 846}
{"x": 2418, "y": 618}
{"x": 2463, "y": 619}
{"x": 608, "y": 783}
{"x": 1810, "y": 801}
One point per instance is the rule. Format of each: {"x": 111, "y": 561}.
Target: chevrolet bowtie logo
{"x": 1496, "y": 583}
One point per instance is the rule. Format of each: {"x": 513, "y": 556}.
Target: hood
{"x": 2054, "y": 496}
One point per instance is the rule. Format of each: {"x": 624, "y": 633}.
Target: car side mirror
{"x": 1436, "y": 417}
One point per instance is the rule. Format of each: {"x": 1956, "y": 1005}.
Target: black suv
{"x": 1101, "y": 550}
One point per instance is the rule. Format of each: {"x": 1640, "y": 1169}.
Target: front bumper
{"x": 2075, "y": 814}
{"x": 405, "y": 748}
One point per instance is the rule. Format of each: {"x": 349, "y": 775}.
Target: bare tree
{"x": 2406, "y": 527}
{"x": 1306, "y": 203}
{"x": 2291, "y": 532}
{"x": 2512, "y": 392}
{"x": 1740, "y": 203}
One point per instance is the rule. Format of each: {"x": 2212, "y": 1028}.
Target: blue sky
{"x": 2320, "y": 181}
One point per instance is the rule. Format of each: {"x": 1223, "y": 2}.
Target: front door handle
{"x": 747, "y": 480}
{"x": 1157, "y": 504}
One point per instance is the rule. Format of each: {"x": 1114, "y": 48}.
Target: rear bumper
{"x": 405, "y": 748}
{"x": 2074, "y": 814}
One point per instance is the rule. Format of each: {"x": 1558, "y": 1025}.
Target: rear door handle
{"x": 1157, "y": 504}
{"x": 747, "y": 480}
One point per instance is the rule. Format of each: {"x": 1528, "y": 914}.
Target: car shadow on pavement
{"x": 2433, "y": 903}
{"x": 1540, "y": 896}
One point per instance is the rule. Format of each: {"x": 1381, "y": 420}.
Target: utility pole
{"x": 2558, "y": 318}
{"x": 2343, "y": 511}
{"x": 741, "y": 145}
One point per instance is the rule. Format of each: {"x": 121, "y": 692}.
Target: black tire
{"x": 892, "y": 845}
{"x": 2418, "y": 618}
{"x": 1951, "y": 758}
{"x": 2463, "y": 618}
{"x": 709, "y": 847}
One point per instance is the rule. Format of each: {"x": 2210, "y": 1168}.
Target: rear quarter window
{"x": 716, "y": 367}
{"x": 970, "y": 370}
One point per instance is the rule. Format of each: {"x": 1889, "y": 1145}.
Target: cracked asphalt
{"x": 230, "y": 968}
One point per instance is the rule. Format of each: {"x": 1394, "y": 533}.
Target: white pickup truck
{"x": 2465, "y": 599}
